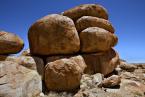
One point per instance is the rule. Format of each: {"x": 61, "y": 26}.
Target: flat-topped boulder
{"x": 10, "y": 43}
{"x": 53, "y": 34}
{"x": 86, "y": 10}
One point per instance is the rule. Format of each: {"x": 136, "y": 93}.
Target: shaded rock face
{"x": 89, "y": 21}
{"x": 103, "y": 63}
{"x": 30, "y": 62}
{"x": 10, "y": 43}
{"x": 18, "y": 81}
{"x": 53, "y": 34}
{"x": 94, "y": 39}
{"x": 64, "y": 74}
{"x": 86, "y": 10}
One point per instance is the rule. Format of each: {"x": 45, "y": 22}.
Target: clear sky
{"x": 127, "y": 16}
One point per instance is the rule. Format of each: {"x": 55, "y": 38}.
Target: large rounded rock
{"x": 10, "y": 43}
{"x": 94, "y": 39}
{"x": 89, "y": 21}
{"x": 86, "y": 10}
{"x": 18, "y": 81}
{"x": 53, "y": 34}
{"x": 64, "y": 74}
{"x": 103, "y": 63}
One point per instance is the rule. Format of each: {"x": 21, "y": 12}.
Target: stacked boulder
{"x": 77, "y": 41}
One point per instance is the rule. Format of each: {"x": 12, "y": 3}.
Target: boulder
{"x": 30, "y": 62}
{"x": 103, "y": 63}
{"x": 18, "y": 81}
{"x": 94, "y": 39}
{"x": 111, "y": 81}
{"x": 53, "y": 34}
{"x": 127, "y": 67}
{"x": 64, "y": 74}
{"x": 89, "y": 21}
{"x": 86, "y": 10}
{"x": 90, "y": 81}
{"x": 10, "y": 43}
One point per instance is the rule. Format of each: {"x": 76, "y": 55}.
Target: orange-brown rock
{"x": 64, "y": 74}
{"x": 94, "y": 39}
{"x": 86, "y": 10}
{"x": 89, "y": 21}
{"x": 103, "y": 63}
{"x": 53, "y": 34}
{"x": 10, "y": 43}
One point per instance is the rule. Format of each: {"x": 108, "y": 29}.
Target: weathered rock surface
{"x": 103, "y": 63}
{"x": 10, "y": 43}
{"x": 86, "y": 10}
{"x": 64, "y": 74}
{"x": 26, "y": 52}
{"x": 53, "y": 34}
{"x": 90, "y": 81}
{"x": 111, "y": 81}
{"x": 30, "y": 62}
{"x": 89, "y": 21}
{"x": 18, "y": 81}
{"x": 94, "y": 39}
{"x": 127, "y": 66}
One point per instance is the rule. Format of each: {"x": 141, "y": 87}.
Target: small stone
{"x": 112, "y": 81}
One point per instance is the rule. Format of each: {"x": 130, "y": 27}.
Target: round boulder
{"x": 64, "y": 74}
{"x": 89, "y": 21}
{"x": 94, "y": 39}
{"x": 86, "y": 10}
{"x": 10, "y": 43}
{"x": 53, "y": 34}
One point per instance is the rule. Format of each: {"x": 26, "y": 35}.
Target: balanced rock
{"x": 10, "y": 43}
{"x": 53, "y": 34}
{"x": 94, "y": 39}
{"x": 89, "y": 21}
{"x": 103, "y": 63}
{"x": 86, "y": 10}
{"x": 64, "y": 74}
{"x": 18, "y": 81}
{"x": 30, "y": 62}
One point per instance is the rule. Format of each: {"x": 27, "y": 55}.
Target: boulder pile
{"x": 62, "y": 47}
{"x": 77, "y": 41}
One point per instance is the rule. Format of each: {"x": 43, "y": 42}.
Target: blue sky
{"x": 127, "y": 16}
